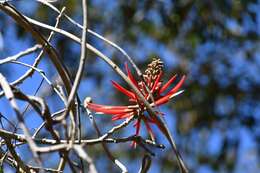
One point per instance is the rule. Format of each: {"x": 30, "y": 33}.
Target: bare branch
{"x": 12, "y": 12}
{"x": 109, "y": 154}
{"x": 146, "y": 163}
{"x": 10, "y": 96}
{"x": 20, "y": 54}
{"x": 21, "y": 167}
{"x": 83, "y": 154}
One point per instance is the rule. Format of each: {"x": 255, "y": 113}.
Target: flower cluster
{"x": 153, "y": 91}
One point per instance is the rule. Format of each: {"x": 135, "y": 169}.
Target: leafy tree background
{"x": 216, "y": 122}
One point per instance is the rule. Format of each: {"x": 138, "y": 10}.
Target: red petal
{"x": 93, "y": 105}
{"x": 165, "y": 86}
{"x": 157, "y": 81}
{"x": 162, "y": 100}
{"x": 177, "y": 87}
{"x": 120, "y": 116}
{"x": 166, "y": 98}
{"x": 123, "y": 90}
{"x": 148, "y": 127}
{"x": 109, "y": 109}
{"x": 138, "y": 125}
{"x": 112, "y": 111}
{"x": 145, "y": 92}
{"x": 130, "y": 76}
{"x": 97, "y": 106}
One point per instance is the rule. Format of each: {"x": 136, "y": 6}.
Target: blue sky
{"x": 229, "y": 60}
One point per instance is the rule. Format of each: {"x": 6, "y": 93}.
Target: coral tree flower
{"x": 152, "y": 89}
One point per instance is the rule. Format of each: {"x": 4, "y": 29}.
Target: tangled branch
{"x": 63, "y": 133}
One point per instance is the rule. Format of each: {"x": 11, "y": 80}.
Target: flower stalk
{"x": 154, "y": 92}
{"x": 152, "y": 77}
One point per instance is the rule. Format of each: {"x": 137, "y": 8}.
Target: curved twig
{"x": 22, "y": 21}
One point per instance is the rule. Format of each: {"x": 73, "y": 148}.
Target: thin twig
{"x": 162, "y": 124}
{"x": 42, "y": 73}
{"x": 83, "y": 154}
{"x": 138, "y": 71}
{"x": 41, "y": 108}
{"x": 118, "y": 127}
{"x": 21, "y": 166}
{"x": 44, "y": 123}
{"x": 109, "y": 154}
{"x": 146, "y": 163}
{"x": 160, "y": 120}
{"x": 22, "y": 21}
{"x": 79, "y": 74}
{"x": 11, "y": 98}
{"x": 20, "y": 54}
{"x": 21, "y": 138}
{"x": 96, "y": 35}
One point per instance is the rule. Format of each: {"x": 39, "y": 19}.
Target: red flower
{"x": 152, "y": 79}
